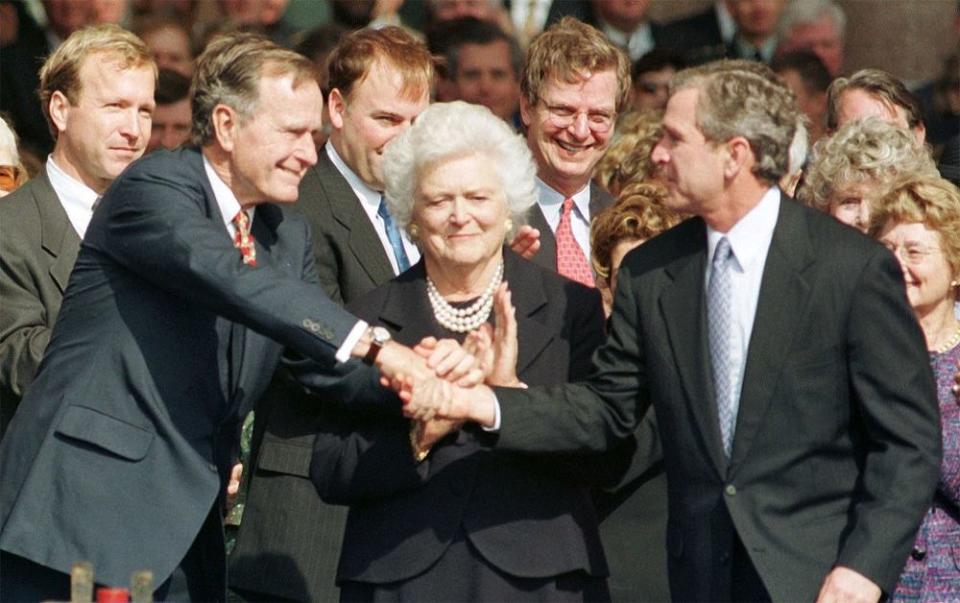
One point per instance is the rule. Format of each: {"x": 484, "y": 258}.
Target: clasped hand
{"x": 436, "y": 399}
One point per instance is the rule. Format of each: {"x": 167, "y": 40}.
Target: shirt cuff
{"x": 496, "y": 417}
{"x": 343, "y": 352}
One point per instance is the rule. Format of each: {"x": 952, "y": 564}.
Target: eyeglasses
{"x": 9, "y": 174}
{"x": 912, "y": 254}
{"x": 562, "y": 116}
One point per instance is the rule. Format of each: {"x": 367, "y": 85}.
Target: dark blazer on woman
{"x": 527, "y": 517}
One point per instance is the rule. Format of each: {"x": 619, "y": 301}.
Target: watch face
{"x": 381, "y": 335}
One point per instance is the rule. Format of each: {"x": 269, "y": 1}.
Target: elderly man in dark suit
{"x": 191, "y": 277}
{"x": 574, "y": 84}
{"x": 289, "y": 540}
{"x": 797, "y": 414}
{"x": 92, "y": 73}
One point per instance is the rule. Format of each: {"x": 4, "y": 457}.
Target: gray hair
{"x": 799, "y": 147}
{"x": 450, "y": 130}
{"x": 803, "y": 12}
{"x": 751, "y": 102}
{"x": 869, "y": 150}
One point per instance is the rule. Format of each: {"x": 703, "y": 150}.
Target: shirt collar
{"x": 69, "y": 189}
{"x": 226, "y": 200}
{"x": 766, "y": 49}
{"x": 751, "y": 235}
{"x": 641, "y": 38}
{"x": 552, "y": 200}
{"x": 366, "y": 194}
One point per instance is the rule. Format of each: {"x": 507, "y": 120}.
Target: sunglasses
{"x": 9, "y": 174}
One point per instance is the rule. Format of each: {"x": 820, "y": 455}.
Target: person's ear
{"x": 59, "y": 108}
{"x": 336, "y": 107}
{"x": 739, "y": 156}
{"x": 226, "y": 124}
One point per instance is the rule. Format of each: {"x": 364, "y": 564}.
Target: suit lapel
{"x": 406, "y": 311}
{"x": 364, "y": 242}
{"x": 547, "y": 256}
{"x": 529, "y": 300}
{"x": 59, "y": 238}
{"x": 682, "y": 307}
{"x": 784, "y": 292}
{"x": 244, "y": 345}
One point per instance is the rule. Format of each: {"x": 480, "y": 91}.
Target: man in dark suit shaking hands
{"x": 796, "y": 410}
{"x": 191, "y": 278}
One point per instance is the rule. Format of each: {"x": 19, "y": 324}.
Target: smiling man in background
{"x": 574, "y": 84}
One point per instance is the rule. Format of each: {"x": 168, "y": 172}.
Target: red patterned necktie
{"x": 571, "y": 262}
{"x": 243, "y": 240}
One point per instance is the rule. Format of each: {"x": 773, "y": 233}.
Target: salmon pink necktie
{"x": 571, "y": 262}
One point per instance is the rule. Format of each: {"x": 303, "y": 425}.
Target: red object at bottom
{"x": 113, "y": 595}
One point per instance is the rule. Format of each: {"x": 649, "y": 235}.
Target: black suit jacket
{"x": 289, "y": 539}
{"x": 837, "y": 447}
{"x": 547, "y": 255}
{"x": 697, "y": 38}
{"x": 38, "y": 247}
{"x": 527, "y": 517}
{"x": 124, "y": 441}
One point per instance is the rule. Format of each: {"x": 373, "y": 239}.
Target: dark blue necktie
{"x": 393, "y": 235}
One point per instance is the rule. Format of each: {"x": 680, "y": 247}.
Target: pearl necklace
{"x": 462, "y": 320}
{"x": 950, "y": 344}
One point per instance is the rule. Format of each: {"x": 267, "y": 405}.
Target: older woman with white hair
{"x": 12, "y": 173}
{"x": 458, "y": 521}
{"x": 854, "y": 167}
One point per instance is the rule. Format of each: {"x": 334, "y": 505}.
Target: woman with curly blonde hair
{"x": 628, "y": 158}
{"x": 855, "y": 166}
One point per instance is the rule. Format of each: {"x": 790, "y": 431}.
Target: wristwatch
{"x": 379, "y": 337}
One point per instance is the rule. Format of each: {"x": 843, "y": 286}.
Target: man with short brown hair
{"x": 874, "y": 93}
{"x": 575, "y": 83}
{"x": 96, "y": 92}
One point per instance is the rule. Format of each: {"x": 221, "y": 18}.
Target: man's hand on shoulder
{"x": 844, "y": 585}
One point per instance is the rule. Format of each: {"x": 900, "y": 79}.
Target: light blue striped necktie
{"x": 393, "y": 235}
{"x": 720, "y": 324}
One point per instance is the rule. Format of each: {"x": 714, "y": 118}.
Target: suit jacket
{"x": 697, "y": 37}
{"x": 124, "y": 441}
{"x": 289, "y": 540}
{"x": 527, "y": 517}
{"x": 836, "y": 448}
{"x": 38, "y": 247}
{"x": 547, "y": 256}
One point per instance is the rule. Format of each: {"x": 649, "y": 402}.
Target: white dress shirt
{"x": 76, "y": 197}
{"x": 637, "y": 44}
{"x": 551, "y": 204}
{"x": 749, "y": 241}
{"x": 229, "y": 208}
{"x": 370, "y": 202}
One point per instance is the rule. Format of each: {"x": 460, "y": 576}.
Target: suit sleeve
{"x": 155, "y": 226}
{"x": 359, "y": 456}
{"x": 24, "y": 325}
{"x": 589, "y": 416}
{"x": 895, "y": 397}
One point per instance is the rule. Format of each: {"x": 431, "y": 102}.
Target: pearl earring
{"x": 508, "y": 225}
{"x": 413, "y": 231}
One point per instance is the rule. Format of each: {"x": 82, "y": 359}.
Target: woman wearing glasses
{"x": 919, "y": 221}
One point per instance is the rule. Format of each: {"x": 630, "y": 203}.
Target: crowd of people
{"x": 466, "y": 300}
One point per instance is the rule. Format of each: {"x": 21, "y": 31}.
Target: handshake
{"x": 443, "y": 383}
